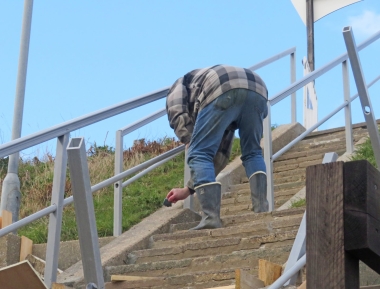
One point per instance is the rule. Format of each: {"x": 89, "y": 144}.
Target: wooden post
{"x": 362, "y": 212}
{"x": 26, "y": 247}
{"x": 328, "y": 264}
{"x": 310, "y": 32}
{"x": 6, "y": 218}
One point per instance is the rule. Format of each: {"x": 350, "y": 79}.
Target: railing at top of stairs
{"x": 62, "y": 133}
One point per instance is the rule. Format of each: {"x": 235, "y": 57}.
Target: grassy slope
{"x": 140, "y": 198}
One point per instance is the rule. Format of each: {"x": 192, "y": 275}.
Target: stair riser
{"x": 210, "y": 248}
{"x": 246, "y": 258}
{"x": 236, "y": 220}
{"x": 246, "y": 230}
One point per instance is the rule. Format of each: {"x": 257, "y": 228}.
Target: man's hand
{"x": 178, "y": 194}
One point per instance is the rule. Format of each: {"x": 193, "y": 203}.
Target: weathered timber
{"x": 26, "y": 248}
{"x": 362, "y": 212}
{"x": 6, "y": 218}
{"x": 20, "y": 275}
{"x": 328, "y": 264}
{"x": 269, "y": 272}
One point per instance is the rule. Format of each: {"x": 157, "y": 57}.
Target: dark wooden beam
{"x": 328, "y": 264}
{"x": 362, "y": 212}
{"x": 310, "y": 33}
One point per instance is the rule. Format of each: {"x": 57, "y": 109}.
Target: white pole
{"x": 10, "y": 196}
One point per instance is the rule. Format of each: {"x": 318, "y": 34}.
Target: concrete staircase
{"x": 208, "y": 258}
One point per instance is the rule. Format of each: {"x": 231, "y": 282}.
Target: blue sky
{"x": 88, "y": 55}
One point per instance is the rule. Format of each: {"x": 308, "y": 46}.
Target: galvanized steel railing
{"x": 269, "y": 158}
{"x": 352, "y": 54}
{"x": 62, "y": 133}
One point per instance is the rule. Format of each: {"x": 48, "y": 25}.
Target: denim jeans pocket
{"x": 224, "y": 101}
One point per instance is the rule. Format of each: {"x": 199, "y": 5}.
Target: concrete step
{"x": 238, "y": 259}
{"x": 208, "y": 248}
{"x": 195, "y": 280}
{"x": 258, "y": 227}
{"x": 234, "y": 220}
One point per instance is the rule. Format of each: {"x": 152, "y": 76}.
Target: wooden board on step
{"x": 303, "y": 286}
{"x": 20, "y": 275}
{"x": 269, "y": 272}
{"x": 126, "y": 282}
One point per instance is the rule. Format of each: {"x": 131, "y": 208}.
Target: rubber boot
{"x": 258, "y": 186}
{"x": 209, "y": 196}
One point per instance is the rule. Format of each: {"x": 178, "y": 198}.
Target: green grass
{"x": 298, "y": 203}
{"x": 365, "y": 152}
{"x": 140, "y": 199}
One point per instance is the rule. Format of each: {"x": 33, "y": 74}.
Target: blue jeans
{"x": 246, "y": 109}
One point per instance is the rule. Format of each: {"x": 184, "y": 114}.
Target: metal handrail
{"x": 273, "y": 59}
{"x": 318, "y": 124}
{"x": 148, "y": 166}
{"x": 79, "y": 122}
{"x": 318, "y": 72}
{"x": 62, "y": 131}
{"x": 342, "y": 59}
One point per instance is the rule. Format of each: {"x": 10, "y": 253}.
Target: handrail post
{"x": 268, "y": 157}
{"x": 118, "y": 189}
{"x": 85, "y": 213}
{"x": 365, "y": 101}
{"x": 347, "y": 109}
{"x": 55, "y": 218}
{"x": 189, "y": 201}
{"x": 292, "y": 80}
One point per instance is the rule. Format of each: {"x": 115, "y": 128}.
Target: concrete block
{"x": 69, "y": 251}
{"x": 284, "y": 134}
{"x": 9, "y": 250}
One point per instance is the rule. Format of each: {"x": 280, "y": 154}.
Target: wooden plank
{"x": 142, "y": 283}
{"x": 26, "y": 248}
{"x": 7, "y": 218}
{"x": 117, "y": 278}
{"x": 362, "y": 212}
{"x": 20, "y": 275}
{"x": 328, "y": 265}
{"x": 244, "y": 280}
{"x": 1, "y": 222}
{"x": 223, "y": 287}
{"x": 269, "y": 272}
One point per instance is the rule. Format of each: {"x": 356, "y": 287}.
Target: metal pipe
{"x": 55, "y": 219}
{"x": 288, "y": 274}
{"x": 365, "y": 100}
{"x": 79, "y": 122}
{"x": 27, "y": 220}
{"x": 305, "y": 133}
{"x": 294, "y": 94}
{"x": 268, "y": 158}
{"x": 11, "y": 195}
{"x": 148, "y": 170}
{"x": 272, "y": 59}
{"x": 131, "y": 171}
{"x": 316, "y": 73}
{"x": 118, "y": 190}
{"x": 128, "y": 129}
{"x": 85, "y": 212}
{"x": 347, "y": 109}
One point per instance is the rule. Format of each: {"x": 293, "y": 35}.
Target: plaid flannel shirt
{"x": 195, "y": 90}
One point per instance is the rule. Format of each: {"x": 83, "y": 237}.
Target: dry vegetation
{"x": 36, "y": 178}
